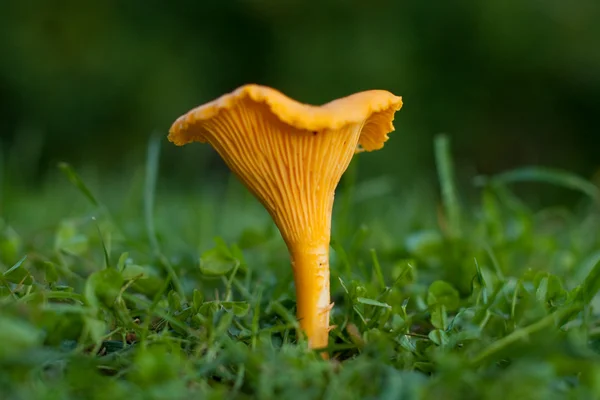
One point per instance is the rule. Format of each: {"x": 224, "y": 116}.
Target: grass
{"x": 131, "y": 289}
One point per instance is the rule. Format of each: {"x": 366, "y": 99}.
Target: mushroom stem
{"x": 310, "y": 264}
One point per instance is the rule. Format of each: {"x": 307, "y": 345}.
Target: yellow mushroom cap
{"x": 373, "y": 108}
{"x": 291, "y": 156}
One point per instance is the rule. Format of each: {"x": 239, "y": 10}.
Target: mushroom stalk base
{"x": 311, "y": 276}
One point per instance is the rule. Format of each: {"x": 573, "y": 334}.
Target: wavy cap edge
{"x": 376, "y": 108}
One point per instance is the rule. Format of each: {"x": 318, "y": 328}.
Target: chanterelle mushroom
{"x": 291, "y": 156}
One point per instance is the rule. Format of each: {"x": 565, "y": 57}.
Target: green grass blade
{"x": 107, "y": 262}
{"x": 152, "y": 159}
{"x": 445, "y": 168}
{"x": 552, "y": 176}
{"x": 522, "y": 334}
{"x": 76, "y": 180}
{"x": 590, "y": 286}
{"x": 372, "y": 302}
{"x": 14, "y": 267}
{"x": 284, "y": 313}
{"x": 377, "y": 269}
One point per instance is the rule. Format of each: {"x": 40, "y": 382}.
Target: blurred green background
{"x": 512, "y": 82}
